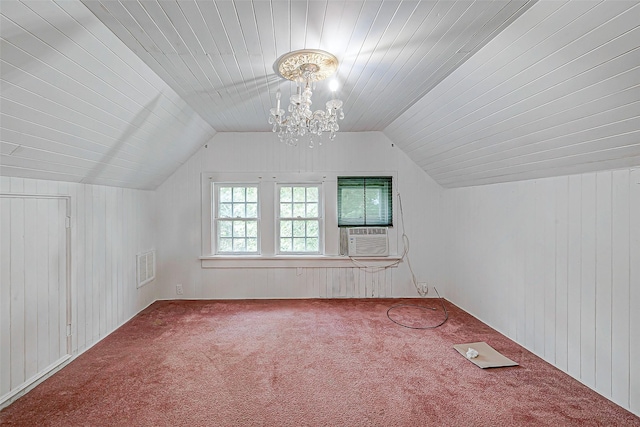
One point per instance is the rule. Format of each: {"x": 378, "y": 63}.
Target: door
{"x": 34, "y": 295}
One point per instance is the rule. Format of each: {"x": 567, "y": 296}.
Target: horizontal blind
{"x": 365, "y": 201}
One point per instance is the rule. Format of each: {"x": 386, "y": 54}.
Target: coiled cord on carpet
{"x": 414, "y": 280}
{"x": 444, "y": 308}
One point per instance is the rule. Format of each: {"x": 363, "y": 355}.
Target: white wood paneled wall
{"x": 555, "y": 265}
{"x": 33, "y": 290}
{"x": 109, "y": 226}
{"x": 179, "y": 221}
{"x": 316, "y": 282}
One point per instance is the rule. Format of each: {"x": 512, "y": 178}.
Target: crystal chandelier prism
{"x": 306, "y": 67}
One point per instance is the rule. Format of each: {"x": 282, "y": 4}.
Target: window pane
{"x": 252, "y": 228}
{"x": 298, "y": 210}
{"x": 225, "y": 245}
{"x": 252, "y": 210}
{"x": 313, "y": 244}
{"x": 299, "y": 194}
{"x": 285, "y": 194}
{"x": 312, "y": 194}
{"x": 238, "y": 210}
{"x": 298, "y": 244}
{"x": 373, "y": 197}
{"x": 299, "y": 229}
{"x": 374, "y": 204}
{"x": 238, "y": 194}
{"x": 285, "y": 210}
{"x": 252, "y": 194}
{"x": 224, "y": 229}
{"x": 225, "y": 194}
{"x": 352, "y": 205}
{"x": 365, "y": 201}
{"x": 312, "y": 229}
{"x": 286, "y": 245}
{"x": 225, "y": 210}
{"x": 312, "y": 210}
{"x": 299, "y": 202}
{"x": 234, "y": 204}
{"x": 239, "y": 245}
{"x": 238, "y": 229}
{"x": 286, "y": 228}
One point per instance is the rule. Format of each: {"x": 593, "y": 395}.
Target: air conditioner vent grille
{"x": 367, "y": 231}
{"x": 368, "y": 241}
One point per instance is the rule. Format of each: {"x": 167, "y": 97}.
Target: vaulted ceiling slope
{"x": 556, "y": 93}
{"x": 77, "y": 105}
{"x": 122, "y": 92}
{"x": 219, "y": 55}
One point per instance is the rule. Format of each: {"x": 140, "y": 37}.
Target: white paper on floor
{"x": 487, "y": 356}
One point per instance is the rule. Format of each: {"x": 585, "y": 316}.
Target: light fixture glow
{"x": 305, "y": 67}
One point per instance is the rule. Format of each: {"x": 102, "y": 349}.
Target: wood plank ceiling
{"x": 475, "y": 92}
{"x": 557, "y": 93}
{"x": 219, "y": 55}
{"x": 77, "y": 105}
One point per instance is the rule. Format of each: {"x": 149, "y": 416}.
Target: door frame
{"x": 30, "y": 383}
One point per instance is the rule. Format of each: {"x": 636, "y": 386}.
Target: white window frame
{"x": 268, "y": 258}
{"x": 215, "y": 188}
{"x": 279, "y": 218}
{"x": 387, "y": 208}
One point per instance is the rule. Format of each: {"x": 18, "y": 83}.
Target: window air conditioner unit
{"x": 368, "y": 241}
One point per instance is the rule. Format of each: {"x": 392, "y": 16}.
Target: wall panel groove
{"x": 576, "y": 240}
{"x": 179, "y": 202}
{"x": 33, "y": 239}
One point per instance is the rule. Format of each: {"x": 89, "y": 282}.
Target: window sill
{"x": 296, "y": 261}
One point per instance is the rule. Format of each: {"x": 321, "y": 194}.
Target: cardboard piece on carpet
{"x": 488, "y": 357}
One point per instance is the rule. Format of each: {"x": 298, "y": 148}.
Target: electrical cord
{"x": 414, "y": 280}
{"x": 405, "y": 255}
{"x": 405, "y": 240}
{"x": 444, "y": 308}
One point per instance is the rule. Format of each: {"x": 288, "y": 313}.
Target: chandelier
{"x": 306, "y": 67}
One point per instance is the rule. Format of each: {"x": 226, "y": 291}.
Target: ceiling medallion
{"x": 315, "y": 64}
{"x": 305, "y": 67}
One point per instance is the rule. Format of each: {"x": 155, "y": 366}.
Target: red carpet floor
{"x": 305, "y": 363}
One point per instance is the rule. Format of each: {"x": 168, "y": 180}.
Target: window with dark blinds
{"x": 365, "y": 201}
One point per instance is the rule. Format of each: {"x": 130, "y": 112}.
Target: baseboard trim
{"x": 33, "y": 382}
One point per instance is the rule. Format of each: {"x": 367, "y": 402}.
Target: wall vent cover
{"x": 146, "y": 267}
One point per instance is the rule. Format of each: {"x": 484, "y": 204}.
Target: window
{"x": 299, "y": 218}
{"x": 365, "y": 201}
{"x": 288, "y": 219}
{"x": 236, "y": 219}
